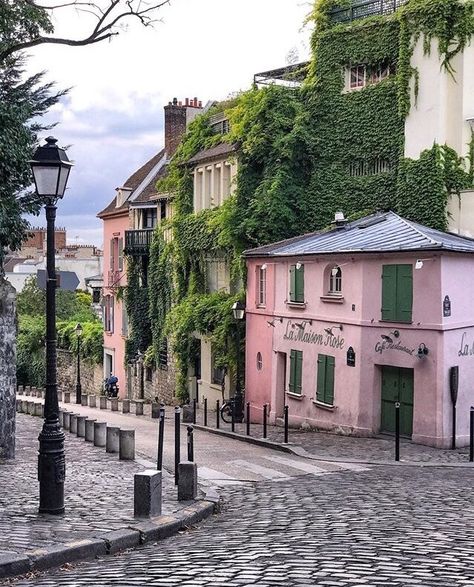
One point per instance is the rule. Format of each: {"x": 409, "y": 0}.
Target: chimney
{"x": 176, "y": 118}
{"x": 339, "y": 220}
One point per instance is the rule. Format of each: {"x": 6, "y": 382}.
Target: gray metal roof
{"x": 380, "y": 232}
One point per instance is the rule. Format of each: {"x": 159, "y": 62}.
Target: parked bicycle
{"x": 227, "y": 404}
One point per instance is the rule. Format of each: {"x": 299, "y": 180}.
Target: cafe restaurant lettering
{"x": 312, "y": 299}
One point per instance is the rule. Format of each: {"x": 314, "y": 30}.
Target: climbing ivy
{"x": 137, "y": 304}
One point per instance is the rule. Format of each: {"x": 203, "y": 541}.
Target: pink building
{"x": 344, "y": 323}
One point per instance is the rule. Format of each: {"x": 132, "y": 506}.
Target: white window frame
{"x": 261, "y": 286}
{"x": 335, "y": 281}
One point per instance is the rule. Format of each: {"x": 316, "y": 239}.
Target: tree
{"x": 28, "y": 23}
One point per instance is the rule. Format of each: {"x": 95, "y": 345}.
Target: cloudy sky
{"x": 113, "y": 116}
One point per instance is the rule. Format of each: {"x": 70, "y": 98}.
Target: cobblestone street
{"x": 392, "y": 527}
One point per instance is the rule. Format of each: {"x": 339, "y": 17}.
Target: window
{"x": 325, "y": 380}
{"x": 357, "y": 76}
{"x": 217, "y": 274}
{"x": 124, "y": 320}
{"x": 335, "y": 281}
{"x": 297, "y": 283}
{"x": 148, "y": 373}
{"x": 261, "y": 285}
{"x": 296, "y": 371}
{"x": 149, "y": 218}
{"x": 109, "y": 313}
{"x": 163, "y": 355}
{"x": 259, "y": 361}
{"x": 361, "y": 75}
{"x": 162, "y": 209}
{"x": 96, "y": 293}
{"x": 397, "y": 293}
{"x": 371, "y": 167}
{"x": 217, "y": 373}
{"x": 116, "y": 254}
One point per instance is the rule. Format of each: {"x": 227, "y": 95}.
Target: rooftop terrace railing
{"x": 360, "y": 10}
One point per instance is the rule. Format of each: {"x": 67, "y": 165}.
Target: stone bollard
{"x": 84, "y": 399}
{"x": 90, "y": 430}
{"x": 81, "y": 426}
{"x": 67, "y": 397}
{"x": 39, "y": 393}
{"x": 42, "y": 410}
{"x": 66, "y": 420}
{"x": 18, "y": 405}
{"x": 33, "y": 392}
{"x": 138, "y": 408}
{"x": 24, "y": 406}
{"x": 73, "y": 424}
{"x": 61, "y": 418}
{"x": 60, "y": 396}
{"x": 100, "y": 432}
{"x": 112, "y": 443}
{"x": 103, "y": 402}
{"x": 28, "y": 391}
{"x": 92, "y": 401}
{"x": 155, "y": 410}
{"x": 187, "y": 481}
{"x": 38, "y": 409}
{"x": 31, "y": 408}
{"x": 147, "y": 494}
{"x": 127, "y": 445}
{"x": 114, "y": 404}
{"x": 125, "y": 406}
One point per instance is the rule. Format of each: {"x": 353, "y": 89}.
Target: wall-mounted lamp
{"x": 396, "y": 333}
{"x": 419, "y": 263}
{"x": 298, "y": 265}
{"x": 331, "y": 328}
{"x": 264, "y": 266}
{"x": 272, "y": 322}
{"x": 386, "y": 338}
{"x": 303, "y": 323}
{"x": 422, "y": 351}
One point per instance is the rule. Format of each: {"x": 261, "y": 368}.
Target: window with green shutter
{"x": 297, "y": 283}
{"x": 296, "y": 371}
{"x": 325, "y": 379}
{"x": 397, "y": 293}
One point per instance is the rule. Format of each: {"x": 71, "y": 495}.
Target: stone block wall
{"x": 7, "y": 369}
{"x": 91, "y": 373}
{"x": 162, "y": 384}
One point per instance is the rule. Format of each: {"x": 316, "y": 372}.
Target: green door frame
{"x": 397, "y": 385}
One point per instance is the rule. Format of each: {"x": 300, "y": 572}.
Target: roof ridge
{"x": 410, "y": 224}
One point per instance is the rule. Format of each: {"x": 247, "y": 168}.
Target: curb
{"x": 301, "y": 452}
{"x": 141, "y": 532}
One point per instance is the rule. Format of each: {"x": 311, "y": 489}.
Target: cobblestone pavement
{"x": 386, "y": 527}
{"x": 98, "y": 493}
{"x": 330, "y": 446}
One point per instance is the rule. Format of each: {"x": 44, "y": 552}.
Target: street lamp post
{"x": 238, "y": 310}
{"x": 51, "y": 167}
{"x": 140, "y": 361}
{"x": 78, "y": 330}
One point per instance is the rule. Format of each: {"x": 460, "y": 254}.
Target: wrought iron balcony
{"x": 137, "y": 242}
{"x": 364, "y": 9}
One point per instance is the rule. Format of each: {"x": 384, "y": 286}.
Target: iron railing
{"x": 138, "y": 242}
{"x": 364, "y": 9}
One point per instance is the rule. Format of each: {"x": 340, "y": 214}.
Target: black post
{"x": 265, "y": 407}
{"x": 51, "y": 459}
{"x": 286, "y": 424}
{"x": 471, "y": 435}
{"x": 142, "y": 379}
{"x": 205, "y": 411}
{"x": 453, "y": 389}
{"x": 453, "y": 437}
{"x": 78, "y": 380}
{"x": 397, "y": 431}
{"x": 247, "y": 419}
{"x": 161, "y": 434}
{"x": 177, "y": 442}
{"x": 190, "y": 444}
{"x": 232, "y": 407}
{"x": 194, "y": 411}
{"x": 218, "y": 413}
{"x": 238, "y": 399}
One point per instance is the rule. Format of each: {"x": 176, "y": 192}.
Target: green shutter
{"x": 292, "y": 283}
{"x": 329, "y": 391}
{"x": 299, "y": 284}
{"x": 298, "y": 371}
{"x": 404, "y": 292}
{"x": 291, "y": 385}
{"x": 321, "y": 378}
{"x": 389, "y": 292}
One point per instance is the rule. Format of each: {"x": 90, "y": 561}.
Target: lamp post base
{"x": 51, "y": 469}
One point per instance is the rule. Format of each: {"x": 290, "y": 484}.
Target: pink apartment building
{"x": 344, "y": 323}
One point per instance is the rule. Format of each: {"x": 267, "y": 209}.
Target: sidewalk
{"x": 98, "y": 499}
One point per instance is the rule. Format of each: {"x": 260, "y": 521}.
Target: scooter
{"x": 111, "y": 389}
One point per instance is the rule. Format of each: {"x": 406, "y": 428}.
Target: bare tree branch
{"x": 108, "y": 19}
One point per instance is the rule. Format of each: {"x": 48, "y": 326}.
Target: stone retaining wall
{"x": 91, "y": 373}
{"x": 7, "y": 369}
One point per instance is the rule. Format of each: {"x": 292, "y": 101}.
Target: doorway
{"x": 397, "y": 386}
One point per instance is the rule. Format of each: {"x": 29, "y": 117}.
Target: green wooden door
{"x": 397, "y": 386}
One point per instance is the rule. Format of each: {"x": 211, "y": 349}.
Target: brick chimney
{"x": 177, "y": 117}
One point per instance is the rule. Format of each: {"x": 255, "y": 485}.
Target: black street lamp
{"x": 238, "y": 310}
{"x": 51, "y": 167}
{"x": 140, "y": 361}
{"x": 78, "y": 331}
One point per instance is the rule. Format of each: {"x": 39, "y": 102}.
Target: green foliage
{"x": 91, "y": 339}
{"x": 136, "y": 303}
{"x": 30, "y": 350}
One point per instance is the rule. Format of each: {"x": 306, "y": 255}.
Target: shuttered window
{"x": 296, "y": 371}
{"x": 120, "y": 254}
{"x": 297, "y": 283}
{"x": 325, "y": 379}
{"x": 397, "y": 293}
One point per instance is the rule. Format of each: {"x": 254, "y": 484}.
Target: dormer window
{"x": 361, "y": 75}
{"x": 335, "y": 281}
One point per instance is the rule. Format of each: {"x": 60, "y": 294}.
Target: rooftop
{"x": 378, "y": 233}
{"x": 216, "y": 152}
{"x": 362, "y": 9}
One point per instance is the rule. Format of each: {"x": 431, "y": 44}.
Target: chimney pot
{"x": 200, "y": 103}
{"x": 195, "y": 101}
{"x": 186, "y": 102}
{"x": 180, "y": 103}
{"x": 175, "y": 101}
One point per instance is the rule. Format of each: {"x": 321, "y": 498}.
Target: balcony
{"x": 364, "y": 9}
{"x": 137, "y": 242}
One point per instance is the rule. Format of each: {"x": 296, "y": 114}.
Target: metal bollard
{"x": 190, "y": 444}
{"x": 218, "y": 413}
{"x": 247, "y": 418}
{"x": 161, "y": 434}
{"x": 205, "y": 411}
{"x": 265, "y": 408}
{"x": 471, "y": 435}
{"x": 285, "y": 413}
{"x": 177, "y": 442}
{"x": 397, "y": 431}
{"x": 194, "y": 411}
{"x": 232, "y": 406}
